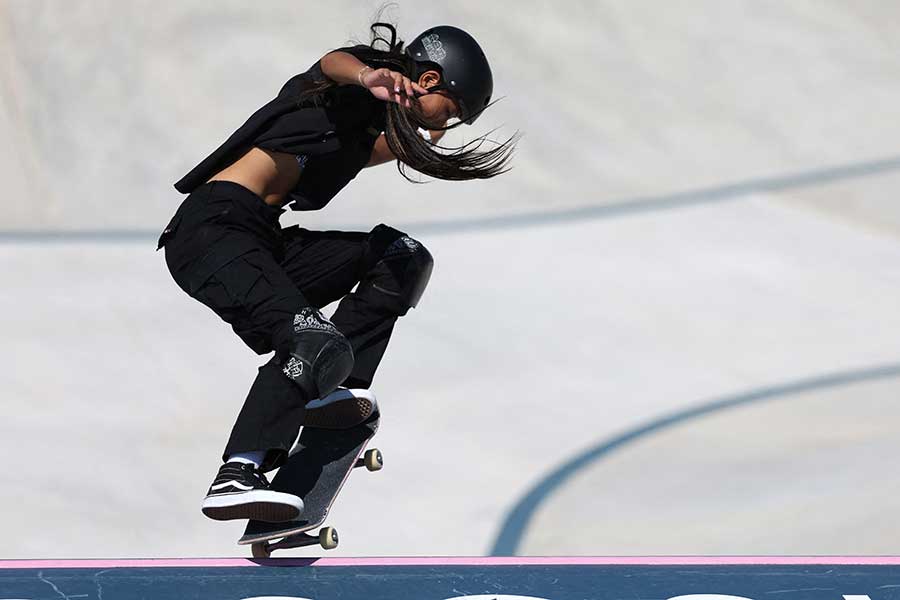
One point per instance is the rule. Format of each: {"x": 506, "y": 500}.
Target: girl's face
{"x": 437, "y": 107}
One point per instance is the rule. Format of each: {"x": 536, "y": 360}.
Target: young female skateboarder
{"x": 356, "y": 107}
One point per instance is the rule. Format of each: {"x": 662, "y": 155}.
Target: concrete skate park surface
{"x": 671, "y": 329}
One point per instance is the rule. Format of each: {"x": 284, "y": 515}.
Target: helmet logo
{"x": 433, "y": 47}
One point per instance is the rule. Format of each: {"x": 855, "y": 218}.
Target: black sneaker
{"x": 341, "y": 409}
{"x": 240, "y": 491}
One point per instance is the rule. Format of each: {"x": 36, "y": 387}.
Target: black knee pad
{"x": 400, "y": 269}
{"x": 320, "y": 357}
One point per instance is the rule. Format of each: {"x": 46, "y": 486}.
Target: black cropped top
{"x": 332, "y": 137}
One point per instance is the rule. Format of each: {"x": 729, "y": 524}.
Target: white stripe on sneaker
{"x": 236, "y": 484}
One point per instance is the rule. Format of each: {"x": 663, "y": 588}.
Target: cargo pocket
{"x": 211, "y": 264}
{"x": 236, "y": 292}
{"x": 241, "y": 279}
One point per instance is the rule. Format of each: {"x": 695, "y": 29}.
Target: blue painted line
{"x": 33, "y": 236}
{"x": 517, "y": 521}
{"x": 621, "y": 208}
{"x": 656, "y": 203}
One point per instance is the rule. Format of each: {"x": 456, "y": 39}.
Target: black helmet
{"x": 464, "y": 68}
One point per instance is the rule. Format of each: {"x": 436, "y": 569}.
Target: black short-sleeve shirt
{"x": 332, "y": 136}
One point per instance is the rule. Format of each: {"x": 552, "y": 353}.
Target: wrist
{"x": 359, "y": 75}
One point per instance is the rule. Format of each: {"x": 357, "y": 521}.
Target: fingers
{"x": 398, "y": 88}
{"x": 401, "y": 89}
{"x": 409, "y": 87}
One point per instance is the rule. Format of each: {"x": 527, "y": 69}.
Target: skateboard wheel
{"x": 373, "y": 460}
{"x": 328, "y": 538}
{"x": 261, "y": 550}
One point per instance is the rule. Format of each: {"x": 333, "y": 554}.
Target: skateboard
{"x": 316, "y": 470}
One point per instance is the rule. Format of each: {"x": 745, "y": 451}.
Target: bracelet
{"x": 359, "y": 75}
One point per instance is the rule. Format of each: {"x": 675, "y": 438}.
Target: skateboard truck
{"x": 327, "y": 538}
{"x": 372, "y": 460}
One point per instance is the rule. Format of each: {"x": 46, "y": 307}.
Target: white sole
{"x": 259, "y": 505}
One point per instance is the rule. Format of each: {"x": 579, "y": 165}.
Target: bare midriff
{"x": 269, "y": 175}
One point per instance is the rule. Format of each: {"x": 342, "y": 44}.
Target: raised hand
{"x": 390, "y": 86}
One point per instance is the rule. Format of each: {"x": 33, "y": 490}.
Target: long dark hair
{"x": 402, "y": 125}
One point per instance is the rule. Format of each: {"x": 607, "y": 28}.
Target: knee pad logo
{"x": 403, "y": 245}
{"x": 293, "y": 368}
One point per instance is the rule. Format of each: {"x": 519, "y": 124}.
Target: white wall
{"x": 533, "y": 342}
{"x": 106, "y": 103}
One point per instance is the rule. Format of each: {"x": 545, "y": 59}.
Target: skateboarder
{"x": 356, "y": 107}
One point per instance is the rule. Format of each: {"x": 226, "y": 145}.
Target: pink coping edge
{"x": 436, "y": 561}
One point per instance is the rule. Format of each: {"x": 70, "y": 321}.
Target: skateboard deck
{"x": 316, "y": 471}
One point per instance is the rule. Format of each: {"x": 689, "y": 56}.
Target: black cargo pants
{"x": 225, "y": 248}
